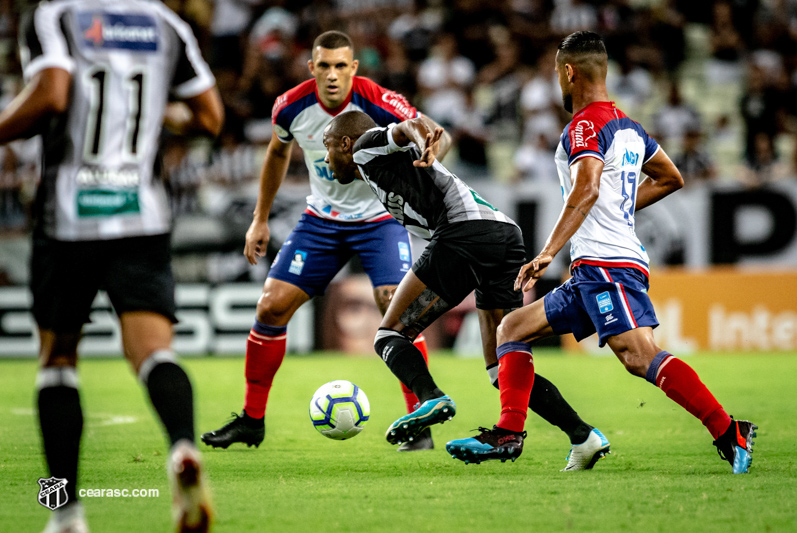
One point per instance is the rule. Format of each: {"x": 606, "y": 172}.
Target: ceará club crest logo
{"x": 582, "y": 132}
{"x": 52, "y": 492}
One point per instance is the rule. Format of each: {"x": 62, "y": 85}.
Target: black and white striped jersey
{"x": 421, "y": 199}
{"x": 126, "y": 58}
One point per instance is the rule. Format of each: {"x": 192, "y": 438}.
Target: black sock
{"x": 548, "y": 402}
{"x": 171, "y": 394}
{"x": 407, "y": 363}
{"x": 253, "y": 422}
{"x": 61, "y": 422}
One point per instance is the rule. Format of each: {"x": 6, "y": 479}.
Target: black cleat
{"x": 243, "y": 428}
{"x": 736, "y": 445}
{"x": 496, "y": 443}
{"x": 421, "y": 442}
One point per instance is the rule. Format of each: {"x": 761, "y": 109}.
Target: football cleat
{"x": 422, "y": 442}
{"x": 736, "y": 445}
{"x": 236, "y": 430}
{"x": 495, "y": 443}
{"x": 191, "y": 507}
{"x": 584, "y": 456}
{"x": 67, "y": 519}
{"x": 409, "y": 427}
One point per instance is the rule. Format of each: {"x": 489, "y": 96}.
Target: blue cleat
{"x": 496, "y": 443}
{"x": 736, "y": 445}
{"x": 584, "y": 456}
{"x": 431, "y": 412}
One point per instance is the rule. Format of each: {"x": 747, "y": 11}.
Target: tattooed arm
{"x": 586, "y": 176}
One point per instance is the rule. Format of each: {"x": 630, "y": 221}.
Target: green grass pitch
{"x": 663, "y": 473}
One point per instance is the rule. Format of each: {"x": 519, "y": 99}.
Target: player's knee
{"x": 634, "y": 363}
{"x": 274, "y": 311}
{"x": 505, "y": 331}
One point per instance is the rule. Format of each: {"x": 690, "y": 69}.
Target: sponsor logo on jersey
{"x": 395, "y": 206}
{"x": 93, "y": 177}
{"x": 322, "y": 170}
{"x": 630, "y": 158}
{"x": 398, "y": 102}
{"x": 583, "y": 132}
{"x": 107, "y": 202}
{"x": 297, "y": 263}
{"x": 604, "y": 302}
{"x": 404, "y": 251}
{"x": 281, "y": 132}
{"x": 111, "y": 31}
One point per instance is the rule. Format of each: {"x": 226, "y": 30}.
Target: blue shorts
{"x": 603, "y": 299}
{"x": 318, "y": 248}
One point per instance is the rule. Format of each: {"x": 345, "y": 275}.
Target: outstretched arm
{"x": 586, "y": 175}
{"x": 45, "y": 95}
{"x": 663, "y": 179}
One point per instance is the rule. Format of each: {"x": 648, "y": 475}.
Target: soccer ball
{"x": 339, "y": 409}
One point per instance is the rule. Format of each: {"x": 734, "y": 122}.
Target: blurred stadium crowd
{"x": 714, "y": 82}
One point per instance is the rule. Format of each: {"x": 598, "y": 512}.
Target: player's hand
{"x": 430, "y": 149}
{"x": 257, "y": 237}
{"x": 532, "y": 271}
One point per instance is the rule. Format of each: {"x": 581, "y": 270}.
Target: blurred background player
{"x": 472, "y": 246}
{"x": 601, "y": 157}
{"x": 98, "y": 97}
{"x": 340, "y": 221}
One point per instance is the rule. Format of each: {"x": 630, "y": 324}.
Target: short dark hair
{"x": 582, "y": 43}
{"x": 585, "y": 49}
{"x": 351, "y": 124}
{"x": 333, "y": 40}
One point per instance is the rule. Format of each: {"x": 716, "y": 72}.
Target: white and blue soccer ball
{"x": 339, "y": 409}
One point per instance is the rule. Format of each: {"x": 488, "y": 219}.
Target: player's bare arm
{"x": 202, "y": 114}
{"x": 663, "y": 179}
{"x": 424, "y": 135}
{"x": 272, "y": 174}
{"x": 586, "y": 175}
{"x": 45, "y": 95}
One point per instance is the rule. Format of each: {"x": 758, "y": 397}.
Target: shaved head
{"x": 350, "y": 124}
{"x": 339, "y": 138}
{"x": 586, "y": 51}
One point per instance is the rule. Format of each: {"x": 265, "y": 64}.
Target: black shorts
{"x": 136, "y": 273}
{"x": 480, "y": 255}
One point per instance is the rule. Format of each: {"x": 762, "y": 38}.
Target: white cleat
{"x": 67, "y": 519}
{"x": 584, "y": 456}
{"x": 191, "y": 507}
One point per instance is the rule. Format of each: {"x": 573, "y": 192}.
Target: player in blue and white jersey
{"x": 340, "y": 221}
{"x": 99, "y": 76}
{"x": 601, "y": 160}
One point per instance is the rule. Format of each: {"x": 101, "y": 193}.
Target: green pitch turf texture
{"x": 663, "y": 473}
